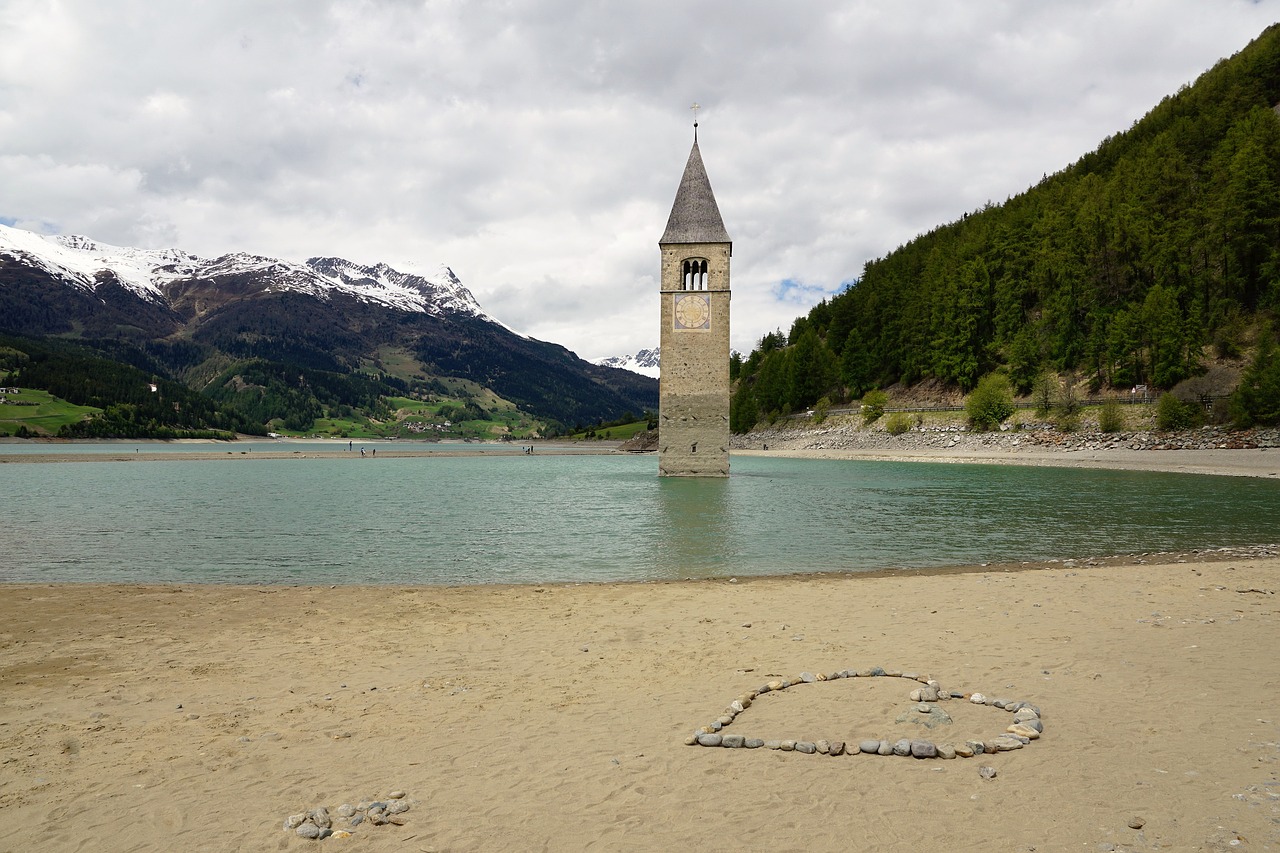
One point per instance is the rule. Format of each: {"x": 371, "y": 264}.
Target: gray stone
{"x": 964, "y": 750}
{"x": 1033, "y": 724}
{"x": 806, "y": 747}
{"x": 294, "y": 821}
{"x": 837, "y": 748}
{"x": 1025, "y": 714}
{"x": 709, "y": 740}
{"x": 808, "y": 677}
{"x": 824, "y": 747}
{"x": 928, "y": 694}
{"x": 753, "y": 743}
{"x": 724, "y": 720}
{"x": 787, "y": 746}
{"x": 977, "y": 746}
{"x": 308, "y": 830}
{"x": 987, "y": 772}
{"x": 320, "y": 817}
{"x": 396, "y": 795}
{"x": 977, "y": 698}
{"x": 902, "y": 747}
{"x": 1136, "y": 822}
{"x": 732, "y": 741}
{"x": 947, "y": 751}
{"x": 773, "y": 744}
{"x": 924, "y": 707}
{"x": 923, "y": 749}
{"x": 869, "y": 746}
{"x": 877, "y": 670}
{"x": 885, "y": 748}
{"x": 345, "y": 810}
{"x": 398, "y": 807}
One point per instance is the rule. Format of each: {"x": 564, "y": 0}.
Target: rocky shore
{"x": 848, "y": 435}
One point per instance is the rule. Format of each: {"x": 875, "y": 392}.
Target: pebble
{"x": 977, "y": 698}
{"x": 806, "y": 747}
{"x": 733, "y": 741}
{"x": 964, "y": 750}
{"x": 787, "y": 746}
{"x": 947, "y": 751}
{"x": 753, "y": 743}
{"x": 773, "y": 744}
{"x": 987, "y": 772}
{"x": 837, "y": 747}
{"x": 1136, "y": 822}
{"x": 1024, "y": 731}
{"x": 902, "y": 747}
{"x": 869, "y": 746}
{"x": 824, "y": 747}
{"x": 885, "y": 748}
{"x": 308, "y": 830}
{"x": 924, "y": 707}
{"x": 923, "y": 749}
{"x": 709, "y": 739}
{"x": 808, "y": 677}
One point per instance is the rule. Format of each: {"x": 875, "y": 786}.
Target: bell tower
{"x": 693, "y": 390}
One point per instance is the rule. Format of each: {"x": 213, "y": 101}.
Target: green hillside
{"x": 1139, "y": 264}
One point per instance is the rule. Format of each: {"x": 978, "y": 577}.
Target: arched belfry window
{"x": 695, "y": 275}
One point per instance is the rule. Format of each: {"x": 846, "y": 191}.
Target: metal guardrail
{"x": 1130, "y": 400}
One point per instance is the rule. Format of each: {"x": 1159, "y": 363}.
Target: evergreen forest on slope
{"x": 1148, "y": 257}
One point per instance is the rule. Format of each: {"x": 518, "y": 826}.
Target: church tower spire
{"x": 693, "y": 394}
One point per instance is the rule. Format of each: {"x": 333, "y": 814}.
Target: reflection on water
{"x": 538, "y": 519}
{"x": 697, "y": 528}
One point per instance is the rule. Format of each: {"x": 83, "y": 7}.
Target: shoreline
{"x": 1258, "y": 551}
{"x": 1259, "y": 462}
{"x": 146, "y": 718}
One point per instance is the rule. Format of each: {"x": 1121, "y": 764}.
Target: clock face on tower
{"x": 692, "y": 311}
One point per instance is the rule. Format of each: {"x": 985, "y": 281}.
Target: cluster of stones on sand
{"x": 317, "y": 824}
{"x": 1025, "y": 728}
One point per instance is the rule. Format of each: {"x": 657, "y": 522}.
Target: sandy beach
{"x": 554, "y": 718}
{"x": 198, "y": 717}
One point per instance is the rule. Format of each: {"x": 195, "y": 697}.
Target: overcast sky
{"x": 535, "y": 146}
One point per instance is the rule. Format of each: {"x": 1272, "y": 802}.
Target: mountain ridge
{"x": 198, "y": 317}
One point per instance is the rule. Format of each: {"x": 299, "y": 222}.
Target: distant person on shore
{"x": 362, "y": 451}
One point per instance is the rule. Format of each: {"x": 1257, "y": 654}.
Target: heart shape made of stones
{"x": 1026, "y": 726}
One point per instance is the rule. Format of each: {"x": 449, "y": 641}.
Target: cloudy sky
{"x": 535, "y": 146}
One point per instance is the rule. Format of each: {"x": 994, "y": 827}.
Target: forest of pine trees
{"x": 1152, "y": 253}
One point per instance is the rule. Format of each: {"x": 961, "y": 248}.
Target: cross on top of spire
{"x": 696, "y": 106}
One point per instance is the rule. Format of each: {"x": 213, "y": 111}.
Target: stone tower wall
{"x": 693, "y": 424}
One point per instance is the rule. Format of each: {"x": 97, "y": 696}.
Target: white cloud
{"x": 535, "y": 145}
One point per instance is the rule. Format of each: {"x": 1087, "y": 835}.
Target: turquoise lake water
{"x": 537, "y": 519}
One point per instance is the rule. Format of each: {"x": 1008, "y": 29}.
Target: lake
{"x": 543, "y": 518}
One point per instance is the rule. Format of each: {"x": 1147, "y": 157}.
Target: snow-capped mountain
{"x": 645, "y": 362}
{"x": 194, "y": 317}
{"x": 146, "y": 272}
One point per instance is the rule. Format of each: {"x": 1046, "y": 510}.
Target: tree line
{"x": 1131, "y": 266}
